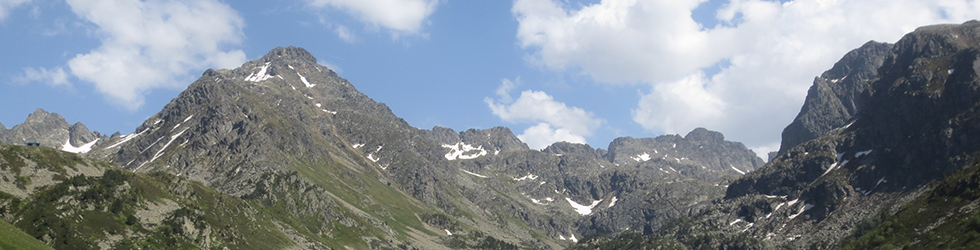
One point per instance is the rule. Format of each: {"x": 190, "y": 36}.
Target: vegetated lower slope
{"x": 12, "y": 238}
{"x": 69, "y": 202}
{"x": 915, "y": 126}
{"x": 947, "y": 217}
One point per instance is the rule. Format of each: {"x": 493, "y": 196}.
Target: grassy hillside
{"x": 947, "y": 217}
{"x": 12, "y": 238}
{"x": 114, "y": 208}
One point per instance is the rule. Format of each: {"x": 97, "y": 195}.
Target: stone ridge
{"x": 289, "y": 53}
{"x": 50, "y": 129}
{"x": 916, "y": 124}
{"x": 833, "y": 98}
{"x": 701, "y": 153}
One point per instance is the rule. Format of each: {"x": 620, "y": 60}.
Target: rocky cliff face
{"x": 913, "y": 126}
{"x": 833, "y": 99}
{"x": 285, "y": 118}
{"x": 336, "y": 169}
{"x": 569, "y": 191}
{"x": 51, "y": 130}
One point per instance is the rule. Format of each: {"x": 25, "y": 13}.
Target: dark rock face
{"x": 701, "y": 153}
{"x": 285, "y": 121}
{"x": 637, "y": 185}
{"x": 49, "y": 129}
{"x": 833, "y": 99}
{"x": 915, "y": 125}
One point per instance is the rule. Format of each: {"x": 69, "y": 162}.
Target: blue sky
{"x": 580, "y": 71}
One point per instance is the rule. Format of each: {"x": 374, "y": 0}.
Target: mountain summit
{"x": 320, "y": 165}
{"x": 287, "y": 134}
{"x": 882, "y": 155}
{"x": 51, "y": 130}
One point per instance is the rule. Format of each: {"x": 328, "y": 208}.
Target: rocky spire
{"x": 832, "y": 99}
{"x": 289, "y": 54}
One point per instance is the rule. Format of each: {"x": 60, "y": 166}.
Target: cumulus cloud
{"x": 345, "y": 34}
{"x": 53, "y": 77}
{"x": 543, "y": 135}
{"x": 555, "y": 120}
{"x": 768, "y": 53}
{"x": 154, "y": 43}
{"x": 398, "y": 16}
{"x": 7, "y": 5}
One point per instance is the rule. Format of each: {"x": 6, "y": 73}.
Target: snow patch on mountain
{"x": 528, "y": 176}
{"x": 307, "y": 83}
{"x": 261, "y": 75}
{"x": 736, "y": 169}
{"x": 80, "y": 149}
{"x": 837, "y": 163}
{"x": 641, "y": 157}
{"x": 474, "y": 174}
{"x": 126, "y": 138}
{"x": 582, "y": 209}
{"x": 863, "y": 153}
{"x": 463, "y": 151}
{"x": 805, "y": 207}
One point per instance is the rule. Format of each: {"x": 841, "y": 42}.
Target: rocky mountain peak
{"x": 51, "y": 130}
{"x": 79, "y": 134}
{"x": 914, "y": 123}
{"x": 569, "y": 148}
{"x": 702, "y": 135}
{"x": 833, "y": 99}
{"x": 40, "y": 116}
{"x": 289, "y": 54}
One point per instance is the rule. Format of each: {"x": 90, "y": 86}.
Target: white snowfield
{"x": 736, "y": 169}
{"x": 641, "y": 157}
{"x": 307, "y": 83}
{"x": 459, "y": 151}
{"x": 474, "y": 174}
{"x": 582, "y": 209}
{"x": 126, "y": 138}
{"x": 837, "y": 163}
{"x": 571, "y": 238}
{"x": 80, "y": 149}
{"x": 863, "y": 153}
{"x": 805, "y": 207}
{"x": 528, "y": 176}
{"x": 261, "y": 75}
{"x": 613, "y": 202}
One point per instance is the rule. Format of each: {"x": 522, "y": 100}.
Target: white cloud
{"x": 53, "y": 77}
{"x": 345, "y": 34}
{"x": 398, "y": 16}
{"x": 675, "y": 107}
{"x": 7, "y": 5}
{"x": 543, "y": 135}
{"x": 770, "y": 52}
{"x": 154, "y": 43}
{"x": 555, "y": 120}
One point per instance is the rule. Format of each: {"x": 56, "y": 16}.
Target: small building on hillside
{"x": 33, "y": 144}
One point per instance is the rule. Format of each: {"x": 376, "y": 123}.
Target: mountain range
{"x": 284, "y": 153}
